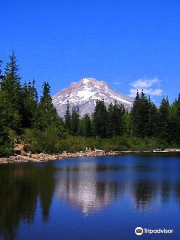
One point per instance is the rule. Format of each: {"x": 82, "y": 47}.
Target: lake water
{"x": 91, "y": 198}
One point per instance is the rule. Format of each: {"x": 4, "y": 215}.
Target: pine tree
{"x": 1, "y": 76}
{"x": 85, "y": 126}
{"x": 75, "y": 120}
{"x": 178, "y": 120}
{"x": 118, "y": 118}
{"x": 11, "y": 96}
{"x": 136, "y": 116}
{"x": 110, "y": 121}
{"x": 46, "y": 113}
{"x": 163, "y": 122}
{"x": 29, "y": 104}
{"x": 68, "y": 118}
{"x": 151, "y": 125}
{"x": 115, "y": 119}
{"x": 3, "y": 130}
{"x": 126, "y": 123}
{"x": 144, "y": 113}
{"x": 100, "y": 119}
{"x": 174, "y": 121}
{"x": 143, "y": 117}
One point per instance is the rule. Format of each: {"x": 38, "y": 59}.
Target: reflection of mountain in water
{"x": 87, "y": 185}
{"x": 83, "y": 187}
{"x": 90, "y": 195}
{"x": 86, "y": 191}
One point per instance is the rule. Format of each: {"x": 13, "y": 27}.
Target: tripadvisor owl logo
{"x": 138, "y": 231}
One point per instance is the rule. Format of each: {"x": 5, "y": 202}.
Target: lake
{"x": 91, "y": 198}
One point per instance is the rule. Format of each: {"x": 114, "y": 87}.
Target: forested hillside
{"x": 33, "y": 120}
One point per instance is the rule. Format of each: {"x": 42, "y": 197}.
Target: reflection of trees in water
{"x": 90, "y": 188}
{"x": 165, "y": 190}
{"x": 19, "y": 190}
{"x": 177, "y": 190}
{"x": 144, "y": 191}
{"x": 46, "y": 190}
{"x": 92, "y": 194}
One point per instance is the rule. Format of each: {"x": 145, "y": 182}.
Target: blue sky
{"x": 129, "y": 44}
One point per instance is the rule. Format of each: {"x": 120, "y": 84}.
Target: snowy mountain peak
{"x": 84, "y": 95}
{"x": 87, "y": 80}
{"x": 92, "y": 81}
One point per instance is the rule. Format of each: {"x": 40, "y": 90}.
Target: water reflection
{"x": 90, "y": 195}
{"x": 90, "y": 186}
{"x": 20, "y": 188}
{"x": 143, "y": 192}
{"x": 83, "y": 186}
{"x": 165, "y": 190}
{"x": 177, "y": 191}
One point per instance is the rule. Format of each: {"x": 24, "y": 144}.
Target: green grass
{"x": 48, "y": 143}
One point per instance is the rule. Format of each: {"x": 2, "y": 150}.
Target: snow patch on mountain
{"x": 84, "y": 95}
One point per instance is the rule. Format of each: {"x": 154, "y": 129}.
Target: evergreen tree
{"x": 118, "y": 118}
{"x": 163, "y": 121}
{"x": 136, "y": 116}
{"x": 152, "y": 120}
{"x": 46, "y": 113}
{"x": 144, "y": 114}
{"x": 174, "y": 121}
{"x": 85, "y": 126}
{"x": 177, "y": 102}
{"x": 173, "y": 135}
{"x": 75, "y": 120}
{"x": 68, "y": 118}
{"x": 110, "y": 121}
{"x": 1, "y": 76}
{"x": 29, "y": 104}
{"x": 11, "y": 96}
{"x": 126, "y": 123}
{"x": 115, "y": 119}
{"x": 143, "y": 117}
{"x": 100, "y": 119}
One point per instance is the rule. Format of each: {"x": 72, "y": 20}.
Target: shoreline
{"x": 42, "y": 157}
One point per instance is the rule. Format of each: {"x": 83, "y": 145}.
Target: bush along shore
{"x": 26, "y": 118}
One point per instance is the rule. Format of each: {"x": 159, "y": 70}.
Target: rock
{"x": 23, "y": 153}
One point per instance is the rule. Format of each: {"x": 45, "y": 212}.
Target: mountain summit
{"x": 84, "y": 95}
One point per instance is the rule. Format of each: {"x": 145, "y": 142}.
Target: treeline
{"x": 144, "y": 121}
{"x": 25, "y": 117}
{"x": 22, "y": 115}
{"x": 104, "y": 122}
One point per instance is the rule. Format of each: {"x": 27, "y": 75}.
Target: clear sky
{"x": 129, "y": 44}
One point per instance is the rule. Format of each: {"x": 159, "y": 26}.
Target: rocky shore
{"x": 42, "y": 157}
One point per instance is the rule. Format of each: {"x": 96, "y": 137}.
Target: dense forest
{"x": 34, "y": 121}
